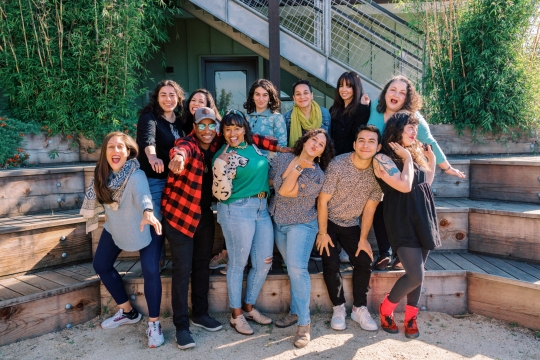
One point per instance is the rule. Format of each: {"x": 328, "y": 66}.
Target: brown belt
{"x": 261, "y": 195}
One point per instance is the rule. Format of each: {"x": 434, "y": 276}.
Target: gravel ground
{"x": 442, "y": 337}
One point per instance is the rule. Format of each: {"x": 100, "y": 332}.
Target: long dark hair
{"x": 393, "y": 132}
{"x": 273, "y": 97}
{"x": 153, "y": 104}
{"x": 237, "y": 118}
{"x": 352, "y": 79}
{"x": 187, "y": 117}
{"x": 103, "y": 170}
{"x": 328, "y": 153}
{"x": 413, "y": 100}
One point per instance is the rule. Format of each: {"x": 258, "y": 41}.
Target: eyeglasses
{"x": 201, "y": 127}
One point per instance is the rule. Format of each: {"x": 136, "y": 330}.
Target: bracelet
{"x": 148, "y": 210}
{"x": 322, "y": 234}
{"x": 448, "y": 168}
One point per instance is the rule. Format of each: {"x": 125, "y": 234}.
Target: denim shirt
{"x": 325, "y": 121}
{"x": 271, "y": 124}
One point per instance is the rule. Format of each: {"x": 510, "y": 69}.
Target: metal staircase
{"x": 323, "y": 38}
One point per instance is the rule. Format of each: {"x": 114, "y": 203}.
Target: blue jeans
{"x": 105, "y": 257}
{"x": 295, "y": 243}
{"x": 156, "y": 189}
{"x": 247, "y": 229}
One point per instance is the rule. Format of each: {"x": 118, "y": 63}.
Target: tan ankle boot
{"x": 302, "y": 336}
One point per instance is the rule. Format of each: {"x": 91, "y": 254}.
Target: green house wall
{"x": 190, "y": 40}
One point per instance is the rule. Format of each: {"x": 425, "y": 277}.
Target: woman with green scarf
{"x": 306, "y": 113}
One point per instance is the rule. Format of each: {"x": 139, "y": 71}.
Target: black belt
{"x": 261, "y": 195}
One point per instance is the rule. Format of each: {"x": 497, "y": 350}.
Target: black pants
{"x": 191, "y": 255}
{"x": 379, "y": 227}
{"x": 348, "y": 238}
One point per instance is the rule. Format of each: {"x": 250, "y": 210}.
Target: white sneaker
{"x": 362, "y": 316}
{"x": 155, "y": 335}
{"x": 119, "y": 319}
{"x": 343, "y": 257}
{"x": 338, "y": 318}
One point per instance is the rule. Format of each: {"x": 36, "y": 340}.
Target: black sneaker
{"x": 315, "y": 255}
{"x": 381, "y": 263}
{"x": 207, "y": 323}
{"x": 184, "y": 340}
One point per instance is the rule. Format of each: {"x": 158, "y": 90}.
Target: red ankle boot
{"x": 411, "y": 329}
{"x": 386, "y": 313}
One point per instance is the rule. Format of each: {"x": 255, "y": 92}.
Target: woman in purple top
{"x": 298, "y": 179}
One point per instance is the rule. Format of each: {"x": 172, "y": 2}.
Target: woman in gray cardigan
{"x": 121, "y": 189}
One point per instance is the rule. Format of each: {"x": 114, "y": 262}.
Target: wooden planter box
{"x": 88, "y": 151}
{"x": 453, "y": 144}
{"x": 50, "y": 150}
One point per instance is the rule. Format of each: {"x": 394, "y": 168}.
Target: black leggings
{"x": 379, "y": 227}
{"x": 410, "y": 284}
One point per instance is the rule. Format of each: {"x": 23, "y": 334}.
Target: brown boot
{"x": 302, "y": 336}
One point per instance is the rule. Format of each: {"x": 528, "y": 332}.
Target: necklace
{"x": 240, "y": 146}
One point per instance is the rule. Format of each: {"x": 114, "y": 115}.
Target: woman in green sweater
{"x": 244, "y": 218}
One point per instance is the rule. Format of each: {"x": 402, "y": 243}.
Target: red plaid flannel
{"x": 182, "y": 194}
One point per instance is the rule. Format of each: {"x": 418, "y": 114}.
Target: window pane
{"x": 230, "y": 89}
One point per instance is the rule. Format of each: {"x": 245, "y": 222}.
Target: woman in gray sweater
{"x": 121, "y": 189}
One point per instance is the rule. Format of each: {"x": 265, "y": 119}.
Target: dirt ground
{"x": 442, "y": 337}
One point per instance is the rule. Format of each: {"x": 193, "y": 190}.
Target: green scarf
{"x": 299, "y": 122}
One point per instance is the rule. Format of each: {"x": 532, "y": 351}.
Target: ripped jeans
{"x": 248, "y": 230}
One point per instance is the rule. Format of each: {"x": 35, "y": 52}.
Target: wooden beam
{"x": 504, "y": 299}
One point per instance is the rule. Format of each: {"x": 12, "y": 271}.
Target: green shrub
{"x": 12, "y": 133}
{"x": 481, "y": 67}
{"x": 77, "y": 66}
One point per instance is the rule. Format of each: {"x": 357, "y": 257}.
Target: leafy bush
{"x": 482, "y": 68}
{"x": 77, "y": 66}
{"x": 12, "y": 133}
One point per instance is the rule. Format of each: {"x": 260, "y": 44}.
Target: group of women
{"x": 130, "y": 177}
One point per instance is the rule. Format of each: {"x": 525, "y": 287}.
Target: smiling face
{"x": 409, "y": 134}
{"x": 117, "y": 153}
{"x": 261, "y": 99}
{"x": 315, "y": 145}
{"x": 206, "y": 135}
{"x": 167, "y": 99}
{"x": 197, "y": 101}
{"x": 234, "y": 134}
{"x": 395, "y": 96}
{"x": 302, "y": 96}
{"x": 346, "y": 92}
{"x": 366, "y": 145}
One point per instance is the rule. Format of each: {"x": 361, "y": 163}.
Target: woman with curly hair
{"x": 298, "y": 179}
{"x": 399, "y": 94}
{"x": 405, "y": 178}
{"x": 198, "y": 99}
{"x": 262, "y": 106}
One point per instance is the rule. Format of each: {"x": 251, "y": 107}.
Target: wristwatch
{"x": 148, "y": 210}
{"x": 298, "y": 169}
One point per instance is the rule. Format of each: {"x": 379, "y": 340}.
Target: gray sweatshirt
{"x": 124, "y": 224}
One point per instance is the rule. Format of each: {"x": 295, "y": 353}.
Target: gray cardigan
{"x": 124, "y": 223}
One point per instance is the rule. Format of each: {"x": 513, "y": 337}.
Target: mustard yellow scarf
{"x": 299, "y": 121}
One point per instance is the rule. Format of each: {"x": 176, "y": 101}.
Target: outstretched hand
{"x": 150, "y": 219}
